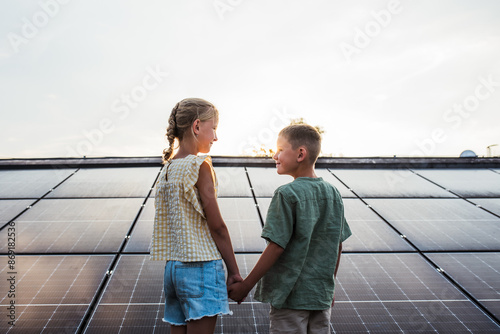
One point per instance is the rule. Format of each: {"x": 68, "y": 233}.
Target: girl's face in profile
{"x": 207, "y": 135}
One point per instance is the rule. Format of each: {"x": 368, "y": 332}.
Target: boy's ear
{"x": 302, "y": 154}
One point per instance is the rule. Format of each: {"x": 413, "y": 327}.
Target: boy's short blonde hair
{"x": 303, "y": 135}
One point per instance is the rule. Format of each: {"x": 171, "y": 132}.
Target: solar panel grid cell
{"x": 233, "y": 182}
{"x": 52, "y": 291}
{"x": 108, "y": 182}
{"x": 441, "y": 224}
{"x": 388, "y": 183}
{"x": 11, "y": 208}
{"x": 30, "y": 183}
{"x": 74, "y": 226}
{"x": 466, "y": 182}
{"x": 477, "y": 273}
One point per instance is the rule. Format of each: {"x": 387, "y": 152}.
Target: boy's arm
{"x": 336, "y": 269}
{"x": 338, "y": 261}
{"x": 270, "y": 255}
{"x": 218, "y": 228}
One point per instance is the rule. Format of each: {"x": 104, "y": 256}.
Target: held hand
{"x": 231, "y": 279}
{"x": 238, "y": 292}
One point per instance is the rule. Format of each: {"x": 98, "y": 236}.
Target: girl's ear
{"x": 196, "y": 127}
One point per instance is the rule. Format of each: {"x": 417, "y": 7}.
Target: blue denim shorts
{"x": 194, "y": 290}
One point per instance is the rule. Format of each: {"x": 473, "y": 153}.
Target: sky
{"x": 381, "y": 78}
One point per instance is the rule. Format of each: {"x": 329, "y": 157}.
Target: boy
{"x": 305, "y": 228}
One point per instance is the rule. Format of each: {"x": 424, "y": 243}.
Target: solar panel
{"x": 74, "y": 226}
{"x": 30, "y": 183}
{"x": 266, "y": 180}
{"x": 388, "y": 183}
{"x": 140, "y": 238}
{"x": 53, "y": 292}
{"x": 11, "y": 208}
{"x": 71, "y": 240}
{"x": 133, "y": 300}
{"x": 491, "y": 204}
{"x": 108, "y": 182}
{"x": 242, "y": 220}
{"x": 239, "y": 214}
{"x": 466, "y": 182}
{"x": 233, "y": 182}
{"x": 478, "y": 273}
{"x": 328, "y": 177}
{"x": 400, "y": 293}
{"x": 441, "y": 224}
{"x": 369, "y": 232}
{"x": 410, "y": 317}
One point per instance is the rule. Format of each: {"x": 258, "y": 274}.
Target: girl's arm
{"x": 271, "y": 254}
{"x": 216, "y": 224}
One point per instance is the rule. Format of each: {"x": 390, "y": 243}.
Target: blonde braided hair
{"x": 182, "y": 117}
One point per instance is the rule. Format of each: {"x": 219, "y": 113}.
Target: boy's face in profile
{"x": 286, "y": 157}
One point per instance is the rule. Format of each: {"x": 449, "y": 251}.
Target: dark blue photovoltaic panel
{"x": 388, "y": 183}
{"x": 478, "y": 273}
{"x": 53, "y": 292}
{"x": 327, "y": 176}
{"x": 11, "y": 208}
{"x": 108, "y": 182}
{"x": 242, "y": 220}
{"x": 455, "y": 316}
{"x": 490, "y": 204}
{"x": 135, "y": 291}
{"x": 369, "y": 232}
{"x": 74, "y": 226}
{"x": 391, "y": 277}
{"x": 233, "y": 182}
{"x": 400, "y": 292}
{"x": 30, "y": 183}
{"x": 239, "y": 214}
{"x": 140, "y": 238}
{"x": 266, "y": 180}
{"x": 441, "y": 224}
{"x": 383, "y": 286}
{"x": 465, "y": 182}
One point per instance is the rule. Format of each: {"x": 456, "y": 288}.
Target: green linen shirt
{"x": 306, "y": 218}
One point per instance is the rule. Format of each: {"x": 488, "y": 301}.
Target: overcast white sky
{"x": 383, "y": 78}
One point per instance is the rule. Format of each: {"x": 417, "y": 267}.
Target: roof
{"x": 424, "y": 255}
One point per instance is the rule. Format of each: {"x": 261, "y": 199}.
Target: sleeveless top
{"x": 180, "y": 229}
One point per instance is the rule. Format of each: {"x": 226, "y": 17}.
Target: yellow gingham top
{"x": 180, "y": 230}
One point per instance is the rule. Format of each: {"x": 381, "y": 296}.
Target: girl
{"x": 189, "y": 232}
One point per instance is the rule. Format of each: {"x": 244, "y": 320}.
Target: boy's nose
{"x": 275, "y": 156}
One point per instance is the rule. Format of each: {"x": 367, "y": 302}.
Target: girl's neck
{"x": 186, "y": 147}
